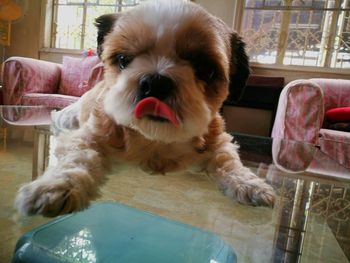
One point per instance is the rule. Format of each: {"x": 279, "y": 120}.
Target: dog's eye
{"x": 123, "y": 61}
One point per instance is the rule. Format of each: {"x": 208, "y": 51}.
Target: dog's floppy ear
{"x": 239, "y": 68}
{"x": 104, "y": 26}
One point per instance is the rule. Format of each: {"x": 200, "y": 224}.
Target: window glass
{"x": 73, "y": 20}
{"x": 298, "y": 32}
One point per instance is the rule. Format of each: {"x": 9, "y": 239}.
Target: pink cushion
{"x": 49, "y": 100}
{"x": 75, "y": 75}
{"x": 341, "y": 114}
{"x": 336, "y": 144}
{"x": 335, "y": 136}
{"x": 336, "y": 92}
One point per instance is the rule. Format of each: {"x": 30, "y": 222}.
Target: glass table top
{"x": 309, "y": 223}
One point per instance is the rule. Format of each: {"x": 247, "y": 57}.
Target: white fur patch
{"x": 164, "y": 15}
{"x": 117, "y": 104}
{"x": 163, "y": 64}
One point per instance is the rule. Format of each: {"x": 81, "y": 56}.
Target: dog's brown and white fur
{"x": 203, "y": 58}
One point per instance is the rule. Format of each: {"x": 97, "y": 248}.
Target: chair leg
{"x": 4, "y": 137}
{"x": 40, "y": 151}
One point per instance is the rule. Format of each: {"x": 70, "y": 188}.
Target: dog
{"x": 168, "y": 68}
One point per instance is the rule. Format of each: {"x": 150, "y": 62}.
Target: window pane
{"x": 302, "y": 3}
{"x": 307, "y": 33}
{"x": 108, "y": 2}
{"x": 70, "y": 2}
{"x": 95, "y": 11}
{"x": 90, "y": 29}
{"x": 274, "y": 2}
{"x": 68, "y": 26}
{"x": 260, "y": 29}
{"x": 305, "y": 40}
{"x": 253, "y": 3}
{"x": 341, "y": 50}
{"x": 70, "y": 20}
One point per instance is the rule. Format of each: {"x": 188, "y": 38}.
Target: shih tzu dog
{"x": 169, "y": 65}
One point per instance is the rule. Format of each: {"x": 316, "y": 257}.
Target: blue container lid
{"x": 112, "y": 232}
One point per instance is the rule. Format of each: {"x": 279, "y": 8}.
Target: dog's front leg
{"x": 71, "y": 184}
{"x": 236, "y": 180}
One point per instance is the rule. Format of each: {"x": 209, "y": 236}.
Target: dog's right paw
{"x": 254, "y": 191}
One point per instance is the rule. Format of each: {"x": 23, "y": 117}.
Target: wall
{"x": 220, "y": 8}
{"x": 25, "y": 37}
{"x": 290, "y": 75}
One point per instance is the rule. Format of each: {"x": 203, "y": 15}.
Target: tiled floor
{"x": 188, "y": 198}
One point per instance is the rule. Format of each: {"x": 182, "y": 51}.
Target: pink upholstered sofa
{"x": 301, "y": 115}
{"x": 28, "y": 81}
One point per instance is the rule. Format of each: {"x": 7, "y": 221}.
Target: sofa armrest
{"x": 300, "y": 112}
{"x": 26, "y": 75}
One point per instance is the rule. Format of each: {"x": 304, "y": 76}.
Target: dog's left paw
{"x": 50, "y": 196}
{"x": 253, "y": 191}
{"x": 34, "y": 198}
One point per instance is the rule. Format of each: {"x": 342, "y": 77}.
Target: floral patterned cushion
{"x": 75, "y": 75}
{"x": 336, "y": 92}
{"x": 336, "y": 144}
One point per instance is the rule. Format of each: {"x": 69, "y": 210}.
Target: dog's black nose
{"x": 157, "y": 86}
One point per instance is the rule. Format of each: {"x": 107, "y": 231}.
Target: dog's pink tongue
{"x": 154, "y": 107}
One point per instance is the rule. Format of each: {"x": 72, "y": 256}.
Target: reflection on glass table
{"x": 314, "y": 193}
{"x": 22, "y": 117}
{"x": 310, "y": 222}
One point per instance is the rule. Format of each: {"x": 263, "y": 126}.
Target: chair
{"x": 30, "y": 82}
{"x": 301, "y": 115}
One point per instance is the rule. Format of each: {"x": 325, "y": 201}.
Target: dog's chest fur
{"x": 157, "y": 157}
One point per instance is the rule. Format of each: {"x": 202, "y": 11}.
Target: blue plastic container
{"x": 111, "y": 232}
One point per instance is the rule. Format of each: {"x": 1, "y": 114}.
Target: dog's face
{"x": 168, "y": 68}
